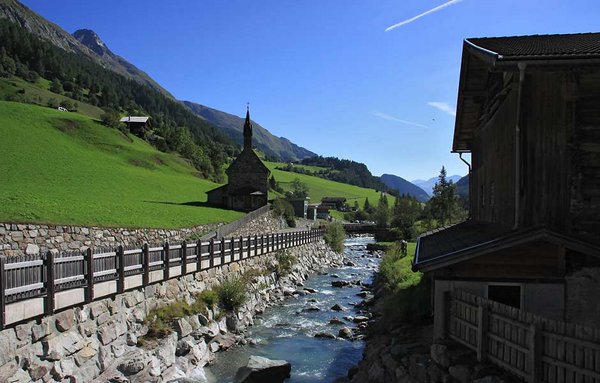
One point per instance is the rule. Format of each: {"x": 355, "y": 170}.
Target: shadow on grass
{"x": 191, "y": 203}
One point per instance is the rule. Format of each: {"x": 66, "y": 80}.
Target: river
{"x": 285, "y": 331}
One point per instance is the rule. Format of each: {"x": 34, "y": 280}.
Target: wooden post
{"x": 146, "y": 265}
{"x": 166, "y": 261}
{"x": 2, "y": 292}
{"x": 49, "y": 283}
{"x": 211, "y": 261}
{"x": 121, "y": 269}
{"x": 198, "y": 255}
{"x": 255, "y": 244}
{"x": 241, "y": 254}
{"x": 535, "y": 352}
{"x": 482, "y": 329}
{"x": 249, "y": 248}
{"x": 183, "y": 258}
{"x": 89, "y": 293}
{"x": 222, "y": 250}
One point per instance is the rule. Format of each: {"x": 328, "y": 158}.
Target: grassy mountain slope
{"x": 404, "y": 187}
{"x": 320, "y": 187}
{"x": 60, "y": 167}
{"x": 272, "y": 146}
{"x": 34, "y": 23}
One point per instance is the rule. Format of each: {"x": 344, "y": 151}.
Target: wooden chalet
{"x": 337, "y": 203}
{"x": 137, "y": 125}
{"x": 528, "y": 112}
{"x": 248, "y": 179}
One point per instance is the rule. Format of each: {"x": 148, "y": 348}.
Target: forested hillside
{"x": 175, "y": 128}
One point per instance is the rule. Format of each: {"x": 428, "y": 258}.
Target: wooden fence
{"x": 31, "y": 286}
{"x": 534, "y": 348}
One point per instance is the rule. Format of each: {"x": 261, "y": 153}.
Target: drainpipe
{"x": 522, "y": 66}
{"x": 470, "y": 181}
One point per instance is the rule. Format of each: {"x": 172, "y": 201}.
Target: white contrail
{"x": 407, "y": 21}
{"x": 443, "y": 106}
{"x": 392, "y": 118}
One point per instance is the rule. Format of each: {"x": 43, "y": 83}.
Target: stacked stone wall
{"x": 18, "y": 239}
{"x": 100, "y": 340}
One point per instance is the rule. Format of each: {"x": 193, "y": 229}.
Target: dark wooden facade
{"x": 529, "y": 113}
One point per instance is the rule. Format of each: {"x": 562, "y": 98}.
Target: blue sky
{"x": 325, "y": 74}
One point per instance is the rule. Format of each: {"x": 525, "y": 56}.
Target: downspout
{"x": 470, "y": 181}
{"x": 522, "y": 66}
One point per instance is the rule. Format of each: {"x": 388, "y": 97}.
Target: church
{"x": 248, "y": 179}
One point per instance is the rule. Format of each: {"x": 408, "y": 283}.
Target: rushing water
{"x": 286, "y": 332}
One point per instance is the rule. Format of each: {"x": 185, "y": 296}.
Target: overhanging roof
{"x": 142, "y": 119}
{"x": 484, "y": 55}
{"x": 472, "y": 239}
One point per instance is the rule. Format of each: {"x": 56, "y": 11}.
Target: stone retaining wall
{"x": 18, "y": 239}
{"x": 79, "y": 344}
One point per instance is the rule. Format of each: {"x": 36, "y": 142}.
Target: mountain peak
{"x": 91, "y": 40}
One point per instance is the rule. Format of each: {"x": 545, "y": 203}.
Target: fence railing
{"x": 534, "y": 348}
{"x": 229, "y": 228}
{"x": 32, "y": 286}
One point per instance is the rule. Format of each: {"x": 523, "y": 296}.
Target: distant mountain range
{"x": 404, "y": 187}
{"x": 278, "y": 148}
{"x": 84, "y": 42}
{"x": 430, "y": 183}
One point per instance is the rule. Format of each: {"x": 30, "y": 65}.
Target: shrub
{"x": 232, "y": 294}
{"x": 282, "y": 208}
{"x": 160, "y": 320}
{"x": 334, "y": 236}
{"x": 407, "y": 297}
{"x": 208, "y": 297}
{"x": 284, "y": 263}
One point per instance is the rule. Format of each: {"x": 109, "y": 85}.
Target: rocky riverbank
{"x": 404, "y": 353}
{"x": 182, "y": 355}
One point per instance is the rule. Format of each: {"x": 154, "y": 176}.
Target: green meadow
{"x": 65, "y": 168}
{"x": 319, "y": 187}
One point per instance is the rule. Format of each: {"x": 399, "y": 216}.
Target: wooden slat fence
{"x": 104, "y": 272}
{"x": 534, "y": 348}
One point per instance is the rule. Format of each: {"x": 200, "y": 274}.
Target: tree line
{"x": 407, "y": 218}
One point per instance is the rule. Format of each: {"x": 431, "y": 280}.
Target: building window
{"x": 507, "y": 294}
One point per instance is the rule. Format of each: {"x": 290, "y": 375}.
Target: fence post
{"x": 482, "y": 328}
{"x": 198, "y": 255}
{"x": 2, "y": 292}
{"x": 535, "y": 351}
{"x": 146, "y": 265}
{"x": 121, "y": 269}
{"x": 49, "y": 283}
{"x": 249, "y": 254}
{"x": 222, "y": 251}
{"x": 89, "y": 293}
{"x": 211, "y": 261}
{"x": 255, "y": 244}
{"x": 166, "y": 261}
{"x": 183, "y": 258}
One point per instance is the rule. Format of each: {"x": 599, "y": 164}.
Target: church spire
{"x": 248, "y": 130}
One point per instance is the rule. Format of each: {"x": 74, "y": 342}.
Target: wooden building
{"x": 528, "y": 112}
{"x": 248, "y": 179}
{"x": 336, "y": 203}
{"x": 137, "y": 125}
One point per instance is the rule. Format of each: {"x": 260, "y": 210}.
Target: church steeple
{"x": 248, "y": 130}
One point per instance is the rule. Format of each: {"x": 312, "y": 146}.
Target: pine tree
{"x": 443, "y": 205}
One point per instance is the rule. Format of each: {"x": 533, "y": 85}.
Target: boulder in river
{"x": 338, "y": 307}
{"x": 263, "y": 370}
{"x": 345, "y": 332}
{"x": 336, "y": 321}
{"x": 326, "y": 335}
{"x": 340, "y": 283}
